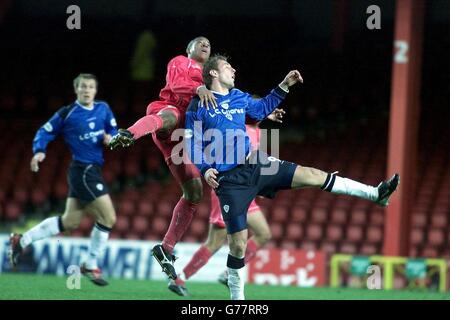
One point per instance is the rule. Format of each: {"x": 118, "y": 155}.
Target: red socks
{"x": 146, "y": 125}
{"x": 252, "y": 247}
{"x": 199, "y": 259}
{"x": 181, "y": 219}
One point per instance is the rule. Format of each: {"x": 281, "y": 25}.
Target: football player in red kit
{"x": 183, "y": 81}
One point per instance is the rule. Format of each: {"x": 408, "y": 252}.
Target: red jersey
{"x": 184, "y": 76}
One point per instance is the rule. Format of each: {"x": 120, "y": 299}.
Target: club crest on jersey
{"x": 224, "y": 105}
{"x": 92, "y": 125}
{"x": 226, "y": 208}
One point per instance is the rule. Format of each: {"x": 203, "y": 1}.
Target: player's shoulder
{"x": 178, "y": 60}
{"x": 101, "y": 104}
{"x": 238, "y": 93}
{"x": 64, "y": 111}
{"x": 194, "y": 104}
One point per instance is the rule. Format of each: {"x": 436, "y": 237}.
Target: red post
{"x": 403, "y": 123}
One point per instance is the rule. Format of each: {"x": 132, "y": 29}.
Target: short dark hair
{"x": 193, "y": 41}
{"x": 76, "y": 81}
{"x": 212, "y": 64}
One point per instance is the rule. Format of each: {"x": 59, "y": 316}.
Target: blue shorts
{"x": 85, "y": 182}
{"x": 260, "y": 175}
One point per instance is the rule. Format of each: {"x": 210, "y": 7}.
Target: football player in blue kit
{"x": 87, "y": 127}
{"x": 217, "y": 143}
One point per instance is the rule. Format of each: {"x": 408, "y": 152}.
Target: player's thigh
{"x": 216, "y": 237}
{"x": 103, "y": 210}
{"x": 308, "y": 177}
{"x": 257, "y": 223}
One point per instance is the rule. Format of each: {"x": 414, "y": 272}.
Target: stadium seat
{"x": 294, "y": 232}
{"x": 140, "y": 224}
{"x": 86, "y": 224}
{"x": 417, "y": 236}
{"x": 338, "y": 216}
{"x": 419, "y": 220}
{"x": 348, "y": 248}
{"x": 358, "y": 217}
{"x": 334, "y": 233}
{"x": 298, "y": 215}
{"x": 429, "y": 252}
{"x": 279, "y": 214}
{"x": 122, "y": 224}
{"x": 376, "y": 217}
{"x": 439, "y": 220}
{"x": 12, "y": 210}
{"x": 436, "y": 237}
{"x": 374, "y": 234}
{"x": 288, "y": 244}
{"x": 159, "y": 225}
{"x": 276, "y": 230}
{"x": 199, "y": 228}
{"x": 329, "y": 247}
{"x": 314, "y": 232}
{"x": 354, "y": 233}
{"x": 308, "y": 245}
{"x": 145, "y": 208}
{"x": 38, "y": 197}
{"x": 164, "y": 209}
{"x": 126, "y": 207}
{"x": 319, "y": 215}
{"x": 368, "y": 249}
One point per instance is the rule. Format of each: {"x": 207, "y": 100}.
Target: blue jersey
{"x": 229, "y": 145}
{"x": 82, "y": 128}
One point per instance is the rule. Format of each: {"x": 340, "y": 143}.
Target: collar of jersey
{"x": 85, "y": 108}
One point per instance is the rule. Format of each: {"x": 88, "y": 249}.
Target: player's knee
{"x": 264, "y": 236}
{"x": 193, "y": 191}
{"x": 238, "y": 246}
{"x": 70, "y": 223}
{"x": 169, "y": 119}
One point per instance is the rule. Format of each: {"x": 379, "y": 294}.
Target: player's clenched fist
{"x": 291, "y": 78}
{"x": 38, "y": 157}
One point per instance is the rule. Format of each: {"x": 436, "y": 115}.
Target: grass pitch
{"x": 46, "y": 287}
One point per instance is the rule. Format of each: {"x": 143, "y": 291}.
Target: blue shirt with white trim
{"x": 82, "y": 129}
{"x": 217, "y": 138}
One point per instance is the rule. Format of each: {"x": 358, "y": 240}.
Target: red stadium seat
{"x": 126, "y": 207}
{"x": 199, "y": 228}
{"x": 429, "y": 252}
{"x": 122, "y": 224}
{"x": 374, "y": 234}
{"x": 417, "y": 236}
{"x": 294, "y": 232}
{"x": 12, "y": 210}
{"x": 358, "y": 217}
{"x": 436, "y": 237}
{"x": 439, "y": 220}
{"x": 354, "y": 233}
{"x": 368, "y": 249}
{"x": 145, "y": 208}
{"x": 140, "y": 224}
{"x": 288, "y": 244}
{"x": 20, "y": 194}
{"x": 38, "y": 197}
{"x": 314, "y": 232}
{"x": 132, "y": 236}
{"x": 348, "y": 248}
{"x": 279, "y": 214}
{"x": 319, "y": 215}
{"x": 298, "y": 215}
{"x": 159, "y": 225}
{"x": 376, "y": 217}
{"x": 308, "y": 245}
{"x": 334, "y": 233}
{"x": 164, "y": 209}
{"x": 338, "y": 216}
{"x": 419, "y": 220}
{"x": 277, "y": 231}
{"x": 329, "y": 247}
